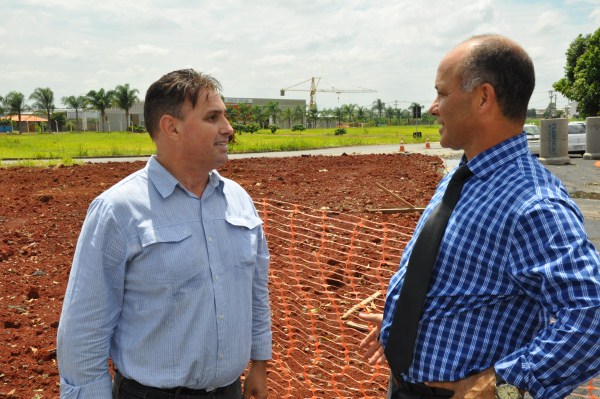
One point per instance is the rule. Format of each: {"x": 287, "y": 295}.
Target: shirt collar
{"x": 493, "y": 158}
{"x": 166, "y": 183}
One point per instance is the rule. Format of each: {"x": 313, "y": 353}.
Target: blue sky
{"x": 256, "y": 48}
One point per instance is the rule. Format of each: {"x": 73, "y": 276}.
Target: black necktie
{"x": 403, "y": 331}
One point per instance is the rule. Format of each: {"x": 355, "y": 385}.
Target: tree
{"x": 100, "y": 100}
{"x": 361, "y": 114}
{"x": 348, "y": 111}
{"x": 339, "y": 114}
{"x": 245, "y": 112}
{"x": 288, "y": 115}
{"x": 1, "y": 105}
{"x": 260, "y": 115}
{"x": 582, "y": 74}
{"x": 76, "y": 102}
{"x": 389, "y": 114}
{"x": 379, "y": 106}
{"x": 43, "y": 99}
{"x": 273, "y": 110}
{"x": 124, "y": 98}
{"x": 14, "y": 102}
{"x": 313, "y": 114}
{"x": 298, "y": 114}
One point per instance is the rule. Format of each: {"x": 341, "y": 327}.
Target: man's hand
{"x": 374, "y": 353}
{"x": 478, "y": 386}
{"x": 255, "y": 383}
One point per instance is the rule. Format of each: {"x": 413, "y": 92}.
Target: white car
{"x": 533, "y": 138}
{"x": 576, "y": 138}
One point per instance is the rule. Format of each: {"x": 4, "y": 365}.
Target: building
{"x": 116, "y": 120}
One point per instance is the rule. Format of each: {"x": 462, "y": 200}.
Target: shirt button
{"x": 221, "y": 355}
{"x": 216, "y": 278}
{"x": 209, "y": 239}
{"x": 221, "y": 317}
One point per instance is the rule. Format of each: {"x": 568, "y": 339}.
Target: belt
{"x": 167, "y": 393}
{"x": 425, "y": 391}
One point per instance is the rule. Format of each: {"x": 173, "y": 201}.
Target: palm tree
{"x": 125, "y": 98}
{"x": 15, "y": 105}
{"x": 260, "y": 115}
{"x": 100, "y": 100}
{"x": 348, "y": 109}
{"x": 232, "y": 113}
{"x": 389, "y": 114}
{"x": 298, "y": 114}
{"x": 245, "y": 112}
{"x": 272, "y": 109}
{"x": 288, "y": 115}
{"x": 379, "y": 106}
{"x": 76, "y": 102}
{"x": 361, "y": 114}
{"x": 43, "y": 98}
{"x": 313, "y": 114}
{"x": 339, "y": 113}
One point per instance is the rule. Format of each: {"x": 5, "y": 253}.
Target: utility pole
{"x": 551, "y": 107}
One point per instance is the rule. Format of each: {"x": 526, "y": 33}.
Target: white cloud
{"x": 142, "y": 50}
{"x": 255, "y": 48}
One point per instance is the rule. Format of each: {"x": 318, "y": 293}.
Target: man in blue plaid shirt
{"x": 513, "y": 303}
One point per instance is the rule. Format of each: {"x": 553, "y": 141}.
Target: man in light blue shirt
{"x": 169, "y": 278}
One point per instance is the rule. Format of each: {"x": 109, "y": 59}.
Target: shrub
{"x": 298, "y": 127}
{"x": 252, "y": 127}
{"x": 238, "y": 127}
{"x": 139, "y": 128}
{"x": 273, "y": 128}
{"x": 340, "y": 131}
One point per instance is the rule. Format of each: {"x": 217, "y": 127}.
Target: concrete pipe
{"x": 592, "y": 138}
{"x": 554, "y": 137}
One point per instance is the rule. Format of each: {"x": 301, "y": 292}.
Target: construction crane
{"x": 314, "y": 82}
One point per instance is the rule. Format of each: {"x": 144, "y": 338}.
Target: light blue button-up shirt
{"x": 172, "y": 287}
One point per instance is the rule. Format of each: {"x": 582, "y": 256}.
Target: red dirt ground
{"x": 42, "y": 210}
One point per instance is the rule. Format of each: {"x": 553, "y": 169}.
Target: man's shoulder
{"x": 126, "y": 187}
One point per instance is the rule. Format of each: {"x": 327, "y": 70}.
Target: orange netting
{"x": 325, "y": 268}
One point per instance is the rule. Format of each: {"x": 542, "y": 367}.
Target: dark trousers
{"x": 399, "y": 389}
{"x": 124, "y": 388}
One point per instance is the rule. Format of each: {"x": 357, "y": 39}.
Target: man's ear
{"x": 487, "y": 97}
{"x": 168, "y": 126}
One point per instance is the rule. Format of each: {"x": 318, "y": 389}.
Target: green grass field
{"x": 69, "y": 146}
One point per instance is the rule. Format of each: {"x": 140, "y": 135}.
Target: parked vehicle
{"x": 533, "y": 138}
{"x": 532, "y": 131}
{"x": 576, "y": 138}
{"x": 575, "y": 143}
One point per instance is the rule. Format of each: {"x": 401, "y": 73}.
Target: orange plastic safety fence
{"x": 326, "y": 267}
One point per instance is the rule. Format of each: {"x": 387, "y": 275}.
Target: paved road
{"x": 580, "y": 176}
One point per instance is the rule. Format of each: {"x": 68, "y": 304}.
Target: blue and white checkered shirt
{"x": 515, "y": 255}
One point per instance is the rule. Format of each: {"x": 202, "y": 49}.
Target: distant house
{"x": 28, "y": 122}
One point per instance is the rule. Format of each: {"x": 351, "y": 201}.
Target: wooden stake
{"x": 361, "y": 304}
{"x": 356, "y": 326}
{"x": 396, "y": 210}
{"x": 405, "y": 202}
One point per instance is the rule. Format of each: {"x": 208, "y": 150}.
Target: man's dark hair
{"x": 504, "y": 65}
{"x": 167, "y": 95}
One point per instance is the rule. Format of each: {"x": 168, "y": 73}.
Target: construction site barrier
{"x": 326, "y": 267}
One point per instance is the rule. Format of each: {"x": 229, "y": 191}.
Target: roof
{"x": 26, "y": 118}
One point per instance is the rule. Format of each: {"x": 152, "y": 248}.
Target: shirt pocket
{"x": 169, "y": 254}
{"x": 243, "y": 233}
